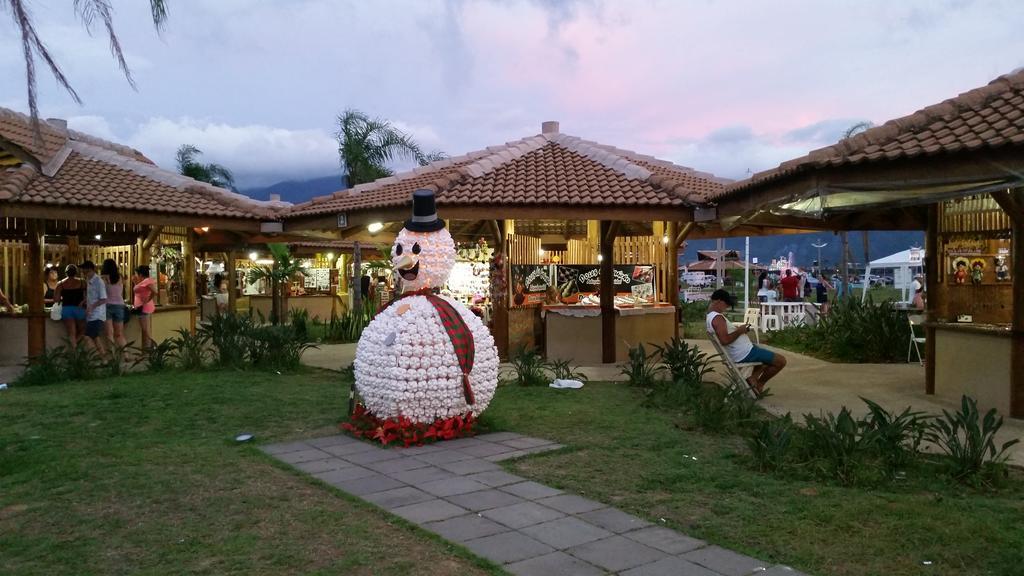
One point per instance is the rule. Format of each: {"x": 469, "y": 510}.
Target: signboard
{"x": 530, "y": 283}
{"x": 579, "y": 280}
{"x": 317, "y": 279}
{"x": 342, "y": 220}
{"x": 916, "y": 255}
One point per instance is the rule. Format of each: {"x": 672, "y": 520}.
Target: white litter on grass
{"x": 3, "y": 386}
{"x": 574, "y": 384}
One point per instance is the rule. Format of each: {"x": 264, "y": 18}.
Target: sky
{"x": 727, "y": 87}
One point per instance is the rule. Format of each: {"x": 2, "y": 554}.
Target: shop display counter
{"x": 573, "y": 333}
{"x": 986, "y": 376}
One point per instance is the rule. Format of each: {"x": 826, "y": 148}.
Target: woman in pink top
{"x": 144, "y": 302}
{"x": 117, "y": 312}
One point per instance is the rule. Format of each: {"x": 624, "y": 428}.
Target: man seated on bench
{"x": 738, "y": 345}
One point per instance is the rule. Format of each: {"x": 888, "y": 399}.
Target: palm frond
{"x": 88, "y": 11}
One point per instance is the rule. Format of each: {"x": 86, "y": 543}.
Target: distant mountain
{"x": 765, "y": 248}
{"x": 296, "y": 191}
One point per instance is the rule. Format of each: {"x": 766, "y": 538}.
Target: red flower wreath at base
{"x": 363, "y": 424}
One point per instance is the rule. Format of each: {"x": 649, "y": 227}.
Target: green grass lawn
{"x": 140, "y": 475}
{"x": 642, "y": 460}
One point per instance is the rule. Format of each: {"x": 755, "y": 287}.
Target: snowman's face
{"x": 423, "y": 259}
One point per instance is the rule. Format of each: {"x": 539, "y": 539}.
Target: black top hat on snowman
{"x": 424, "y": 213}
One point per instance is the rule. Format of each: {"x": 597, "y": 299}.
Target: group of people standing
{"x": 92, "y": 304}
{"x": 796, "y": 288}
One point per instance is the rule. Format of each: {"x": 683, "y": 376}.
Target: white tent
{"x": 905, "y": 265}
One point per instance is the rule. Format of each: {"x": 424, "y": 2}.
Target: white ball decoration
{"x": 415, "y": 373}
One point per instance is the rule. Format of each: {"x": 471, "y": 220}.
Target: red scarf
{"x": 458, "y": 332}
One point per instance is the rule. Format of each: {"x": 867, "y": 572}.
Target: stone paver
{"x": 571, "y": 504}
{"x": 725, "y": 561}
{"x": 616, "y": 553}
{"x": 484, "y": 500}
{"x": 508, "y": 547}
{"x": 558, "y": 563}
{"x": 430, "y": 511}
{"x": 565, "y": 532}
{"x": 463, "y": 528}
{"x": 496, "y": 478}
{"x": 614, "y": 520}
{"x": 666, "y": 540}
{"x": 456, "y": 490}
{"x": 671, "y": 566}
{"x": 398, "y": 497}
{"x": 522, "y": 515}
{"x": 531, "y": 490}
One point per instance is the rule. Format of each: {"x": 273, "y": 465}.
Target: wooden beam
{"x": 1017, "y": 338}
{"x": 932, "y": 282}
{"x": 232, "y": 271}
{"x": 672, "y": 274}
{"x": 85, "y": 214}
{"x": 683, "y": 233}
{"x": 499, "y": 289}
{"x": 607, "y": 236}
{"x": 188, "y": 271}
{"x": 34, "y": 293}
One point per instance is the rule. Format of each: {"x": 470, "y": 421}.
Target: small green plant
{"x": 299, "y": 320}
{"x": 969, "y": 440}
{"x": 116, "y": 363}
{"x": 46, "y": 368}
{"x": 710, "y": 409}
{"x": 835, "y": 443}
{"x": 349, "y": 326}
{"x": 528, "y": 368}
{"x": 643, "y": 370}
{"x": 563, "y": 370}
{"x": 686, "y": 362}
{"x": 741, "y": 403}
{"x": 81, "y": 362}
{"x": 190, "y": 349}
{"x": 771, "y": 441}
{"x": 158, "y": 356}
{"x": 278, "y": 347}
{"x": 230, "y": 334}
{"x": 896, "y": 438}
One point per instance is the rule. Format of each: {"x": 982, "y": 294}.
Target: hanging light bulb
{"x": 375, "y": 227}
{"x": 253, "y": 256}
{"x": 600, "y": 257}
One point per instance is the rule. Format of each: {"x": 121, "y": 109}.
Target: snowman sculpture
{"x": 425, "y": 358}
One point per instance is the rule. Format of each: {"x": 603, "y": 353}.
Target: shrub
{"x": 771, "y": 441}
{"x": 686, "y": 363}
{"x": 349, "y": 326}
{"x": 853, "y": 331}
{"x": 563, "y": 370}
{"x": 230, "y": 335}
{"x": 835, "y": 444}
{"x": 896, "y": 438}
{"x": 969, "y": 440}
{"x": 710, "y": 409}
{"x": 158, "y": 356}
{"x": 80, "y": 362}
{"x": 642, "y": 369}
{"x": 190, "y": 349}
{"x": 116, "y": 364}
{"x": 46, "y": 368}
{"x": 278, "y": 347}
{"x": 528, "y": 368}
{"x": 742, "y": 405}
{"x": 299, "y": 320}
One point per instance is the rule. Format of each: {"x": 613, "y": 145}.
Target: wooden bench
{"x": 738, "y": 372}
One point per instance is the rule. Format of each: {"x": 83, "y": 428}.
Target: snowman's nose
{"x": 404, "y": 262}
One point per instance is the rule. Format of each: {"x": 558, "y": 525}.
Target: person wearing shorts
{"x": 738, "y": 345}
{"x": 95, "y": 307}
{"x": 70, "y": 292}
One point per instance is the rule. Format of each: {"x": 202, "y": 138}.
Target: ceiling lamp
{"x": 375, "y": 227}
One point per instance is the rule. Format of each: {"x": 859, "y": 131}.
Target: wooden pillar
{"x": 1017, "y": 343}
{"x": 499, "y": 289}
{"x": 932, "y": 282}
{"x": 357, "y": 278}
{"x": 34, "y": 293}
{"x": 672, "y": 272}
{"x": 844, "y": 265}
{"x": 607, "y": 240}
{"x": 232, "y": 272}
{"x": 188, "y": 271}
{"x": 74, "y": 251}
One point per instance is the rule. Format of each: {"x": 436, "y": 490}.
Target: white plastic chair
{"x": 915, "y": 341}
{"x": 770, "y": 322}
{"x": 752, "y": 316}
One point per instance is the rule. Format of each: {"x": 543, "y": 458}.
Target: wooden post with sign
{"x": 932, "y": 258}
{"x": 1012, "y": 202}
{"x": 34, "y": 293}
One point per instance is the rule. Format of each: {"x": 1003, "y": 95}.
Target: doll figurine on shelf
{"x": 1002, "y": 269}
{"x": 960, "y": 274}
{"x": 977, "y": 270}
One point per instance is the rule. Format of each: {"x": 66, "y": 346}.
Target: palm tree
{"x": 32, "y": 45}
{"x": 366, "y": 146}
{"x": 215, "y": 174}
{"x": 279, "y": 274}
{"x": 857, "y": 129}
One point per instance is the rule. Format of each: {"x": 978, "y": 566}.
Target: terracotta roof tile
{"x": 17, "y": 129}
{"x": 987, "y": 117}
{"x": 544, "y": 169}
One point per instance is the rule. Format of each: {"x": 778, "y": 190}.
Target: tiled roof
{"x": 549, "y": 168}
{"x": 988, "y": 117}
{"x": 79, "y": 170}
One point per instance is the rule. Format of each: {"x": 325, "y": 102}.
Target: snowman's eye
{"x": 398, "y": 249}
{"x": 416, "y": 248}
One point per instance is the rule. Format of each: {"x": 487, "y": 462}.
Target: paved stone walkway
{"x": 457, "y": 490}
